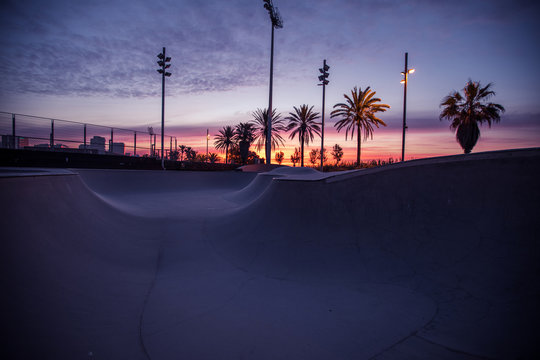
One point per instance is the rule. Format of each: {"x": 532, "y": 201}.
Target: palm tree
{"x": 359, "y": 113}
{"x": 224, "y": 139}
{"x": 467, "y": 111}
{"x": 260, "y": 124}
{"x": 213, "y": 158}
{"x": 303, "y": 124}
{"x": 182, "y": 150}
{"x": 244, "y": 135}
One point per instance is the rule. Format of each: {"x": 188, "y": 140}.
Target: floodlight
{"x": 163, "y": 60}
{"x": 277, "y": 23}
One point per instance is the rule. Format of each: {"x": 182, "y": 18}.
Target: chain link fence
{"x": 20, "y": 131}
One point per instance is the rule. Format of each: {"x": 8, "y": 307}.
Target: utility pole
{"x": 322, "y": 78}
{"x": 277, "y": 22}
{"x": 163, "y": 63}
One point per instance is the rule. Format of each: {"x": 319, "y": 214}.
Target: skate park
{"x": 427, "y": 259}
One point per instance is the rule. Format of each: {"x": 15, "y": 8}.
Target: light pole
{"x": 275, "y": 18}
{"x": 322, "y": 78}
{"x": 207, "y": 139}
{"x": 163, "y": 60}
{"x": 405, "y": 81}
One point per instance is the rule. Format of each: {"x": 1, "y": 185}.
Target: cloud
{"x": 110, "y": 49}
{"x": 62, "y": 47}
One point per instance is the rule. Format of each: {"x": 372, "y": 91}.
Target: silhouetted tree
{"x": 260, "y": 125}
{"x": 295, "y": 157}
{"x": 359, "y": 113}
{"x": 190, "y": 154}
{"x": 337, "y": 153}
{"x": 200, "y": 158}
{"x": 182, "y": 150}
{"x": 302, "y": 123}
{"x": 213, "y": 158}
{"x": 313, "y": 156}
{"x": 244, "y": 135}
{"x": 224, "y": 139}
{"x": 468, "y": 110}
{"x": 173, "y": 155}
{"x": 279, "y": 157}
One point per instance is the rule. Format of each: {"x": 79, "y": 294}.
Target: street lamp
{"x": 405, "y": 81}
{"x": 277, "y": 22}
{"x": 322, "y": 78}
{"x": 163, "y": 63}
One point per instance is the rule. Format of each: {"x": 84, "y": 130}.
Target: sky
{"x": 94, "y": 61}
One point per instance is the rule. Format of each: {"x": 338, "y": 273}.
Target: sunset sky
{"x": 95, "y": 62}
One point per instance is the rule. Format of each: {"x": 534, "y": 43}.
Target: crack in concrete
{"x": 145, "y": 303}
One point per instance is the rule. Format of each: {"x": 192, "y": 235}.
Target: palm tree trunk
{"x": 302, "y": 146}
{"x": 226, "y": 153}
{"x": 358, "y": 147}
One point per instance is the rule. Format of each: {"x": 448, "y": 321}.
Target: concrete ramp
{"x": 428, "y": 259}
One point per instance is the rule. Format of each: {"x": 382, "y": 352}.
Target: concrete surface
{"x": 428, "y": 259}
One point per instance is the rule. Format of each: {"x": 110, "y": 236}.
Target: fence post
{"x": 51, "y": 145}
{"x": 13, "y": 141}
{"x": 134, "y": 143}
{"x": 112, "y": 139}
{"x": 85, "y": 137}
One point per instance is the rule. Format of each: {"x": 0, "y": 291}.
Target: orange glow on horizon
{"x": 386, "y": 144}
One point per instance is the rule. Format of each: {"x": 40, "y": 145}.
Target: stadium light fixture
{"x": 163, "y": 60}
{"x": 277, "y": 22}
{"x": 323, "y": 79}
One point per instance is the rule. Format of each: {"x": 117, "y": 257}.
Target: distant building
{"x": 118, "y": 148}
{"x": 7, "y": 142}
{"x": 23, "y": 142}
{"x": 97, "y": 143}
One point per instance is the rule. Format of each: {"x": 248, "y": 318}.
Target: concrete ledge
{"x": 8, "y": 172}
